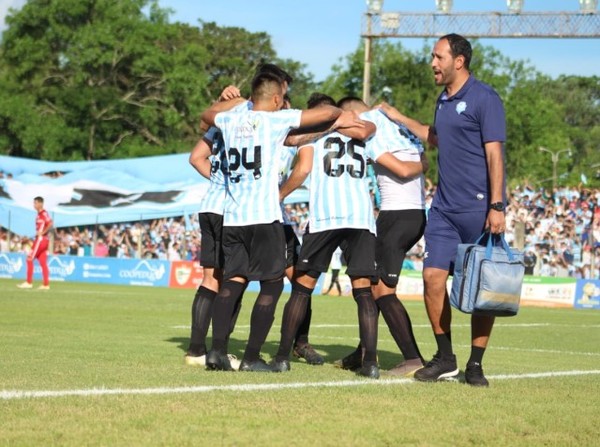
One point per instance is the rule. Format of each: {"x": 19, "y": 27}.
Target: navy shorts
{"x": 211, "y": 248}
{"x": 444, "y": 231}
{"x": 357, "y": 245}
{"x": 255, "y": 252}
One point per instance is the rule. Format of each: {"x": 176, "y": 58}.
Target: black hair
{"x": 38, "y": 199}
{"x": 319, "y": 99}
{"x": 459, "y": 46}
{"x": 275, "y": 70}
{"x": 348, "y": 100}
{"x": 263, "y": 83}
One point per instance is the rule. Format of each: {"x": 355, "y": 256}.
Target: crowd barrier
{"x": 540, "y": 291}
{"x": 134, "y": 272}
{"x": 537, "y": 290}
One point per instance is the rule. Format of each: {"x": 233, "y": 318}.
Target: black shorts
{"x": 397, "y": 232}
{"x": 292, "y": 246}
{"x": 211, "y": 248}
{"x": 357, "y": 245}
{"x": 254, "y": 252}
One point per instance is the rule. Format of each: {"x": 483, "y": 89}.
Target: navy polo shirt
{"x": 463, "y": 123}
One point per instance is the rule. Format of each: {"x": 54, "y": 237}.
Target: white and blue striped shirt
{"x": 213, "y": 200}
{"x": 253, "y": 141}
{"x": 288, "y": 154}
{"x": 339, "y": 185}
{"x": 396, "y": 193}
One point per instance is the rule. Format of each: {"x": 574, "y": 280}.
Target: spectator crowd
{"x": 559, "y": 234}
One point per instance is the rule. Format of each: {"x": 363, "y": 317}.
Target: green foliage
{"x": 556, "y": 114}
{"x": 92, "y": 79}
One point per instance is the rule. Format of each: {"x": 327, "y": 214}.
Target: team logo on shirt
{"x": 461, "y": 107}
{"x": 254, "y": 122}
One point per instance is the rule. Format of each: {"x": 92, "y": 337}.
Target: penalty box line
{"x": 12, "y": 395}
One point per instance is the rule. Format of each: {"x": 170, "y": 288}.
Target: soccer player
{"x": 302, "y": 347}
{"x": 341, "y": 215}
{"x": 400, "y": 225}
{"x": 39, "y": 251}
{"x": 469, "y": 130}
{"x": 209, "y": 159}
{"x": 253, "y": 239}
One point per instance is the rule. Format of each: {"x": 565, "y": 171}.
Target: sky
{"x": 319, "y": 33}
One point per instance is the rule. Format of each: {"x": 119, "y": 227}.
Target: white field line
{"x": 497, "y": 325}
{"x": 12, "y": 395}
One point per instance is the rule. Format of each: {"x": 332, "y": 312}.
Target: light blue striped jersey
{"x": 288, "y": 154}
{"x": 213, "y": 200}
{"x": 339, "y": 185}
{"x": 253, "y": 141}
{"x": 396, "y": 193}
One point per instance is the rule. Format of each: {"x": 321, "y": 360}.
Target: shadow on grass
{"x": 331, "y": 352}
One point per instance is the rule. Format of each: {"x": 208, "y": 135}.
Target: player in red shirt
{"x": 43, "y": 223}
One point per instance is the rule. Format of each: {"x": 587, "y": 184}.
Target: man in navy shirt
{"x": 469, "y": 131}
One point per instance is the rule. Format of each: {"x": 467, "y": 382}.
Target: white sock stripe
{"x": 11, "y": 395}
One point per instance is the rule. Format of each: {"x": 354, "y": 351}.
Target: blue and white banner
{"x": 92, "y": 192}
{"x": 100, "y": 192}
{"x": 135, "y": 272}
{"x": 587, "y": 294}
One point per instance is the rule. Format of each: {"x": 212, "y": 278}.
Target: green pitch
{"x": 112, "y": 359}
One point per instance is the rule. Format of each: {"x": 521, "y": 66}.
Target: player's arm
{"x": 208, "y": 116}
{"x": 319, "y": 115}
{"x": 348, "y": 124}
{"x": 496, "y": 220}
{"x": 423, "y": 131}
{"x": 356, "y": 128}
{"x": 299, "y": 172}
{"x": 403, "y": 169}
{"x": 199, "y": 157}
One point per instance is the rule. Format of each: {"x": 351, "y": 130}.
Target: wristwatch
{"x": 497, "y": 206}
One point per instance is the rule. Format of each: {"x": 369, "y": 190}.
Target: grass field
{"x": 103, "y": 365}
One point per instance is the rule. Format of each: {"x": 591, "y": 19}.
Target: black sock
{"x": 368, "y": 315}
{"x": 476, "y": 355}
{"x": 234, "y": 317}
{"x": 302, "y": 333}
{"x": 294, "y": 314}
{"x": 398, "y": 322}
{"x": 444, "y": 343}
{"x": 201, "y": 315}
{"x": 225, "y": 301}
{"x": 262, "y": 317}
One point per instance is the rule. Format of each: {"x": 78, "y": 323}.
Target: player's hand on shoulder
{"x": 348, "y": 118}
{"x": 230, "y": 92}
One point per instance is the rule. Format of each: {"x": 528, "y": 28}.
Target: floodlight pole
{"x": 554, "y": 156}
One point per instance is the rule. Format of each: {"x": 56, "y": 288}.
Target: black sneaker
{"x": 216, "y": 361}
{"x": 370, "y": 371}
{"x": 255, "y": 366}
{"x": 474, "y": 375}
{"x": 280, "y": 365}
{"x": 353, "y": 361}
{"x": 439, "y": 368}
{"x": 308, "y": 353}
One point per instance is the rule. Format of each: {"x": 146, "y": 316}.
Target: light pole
{"x": 555, "y": 155}
{"x": 373, "y": 7}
